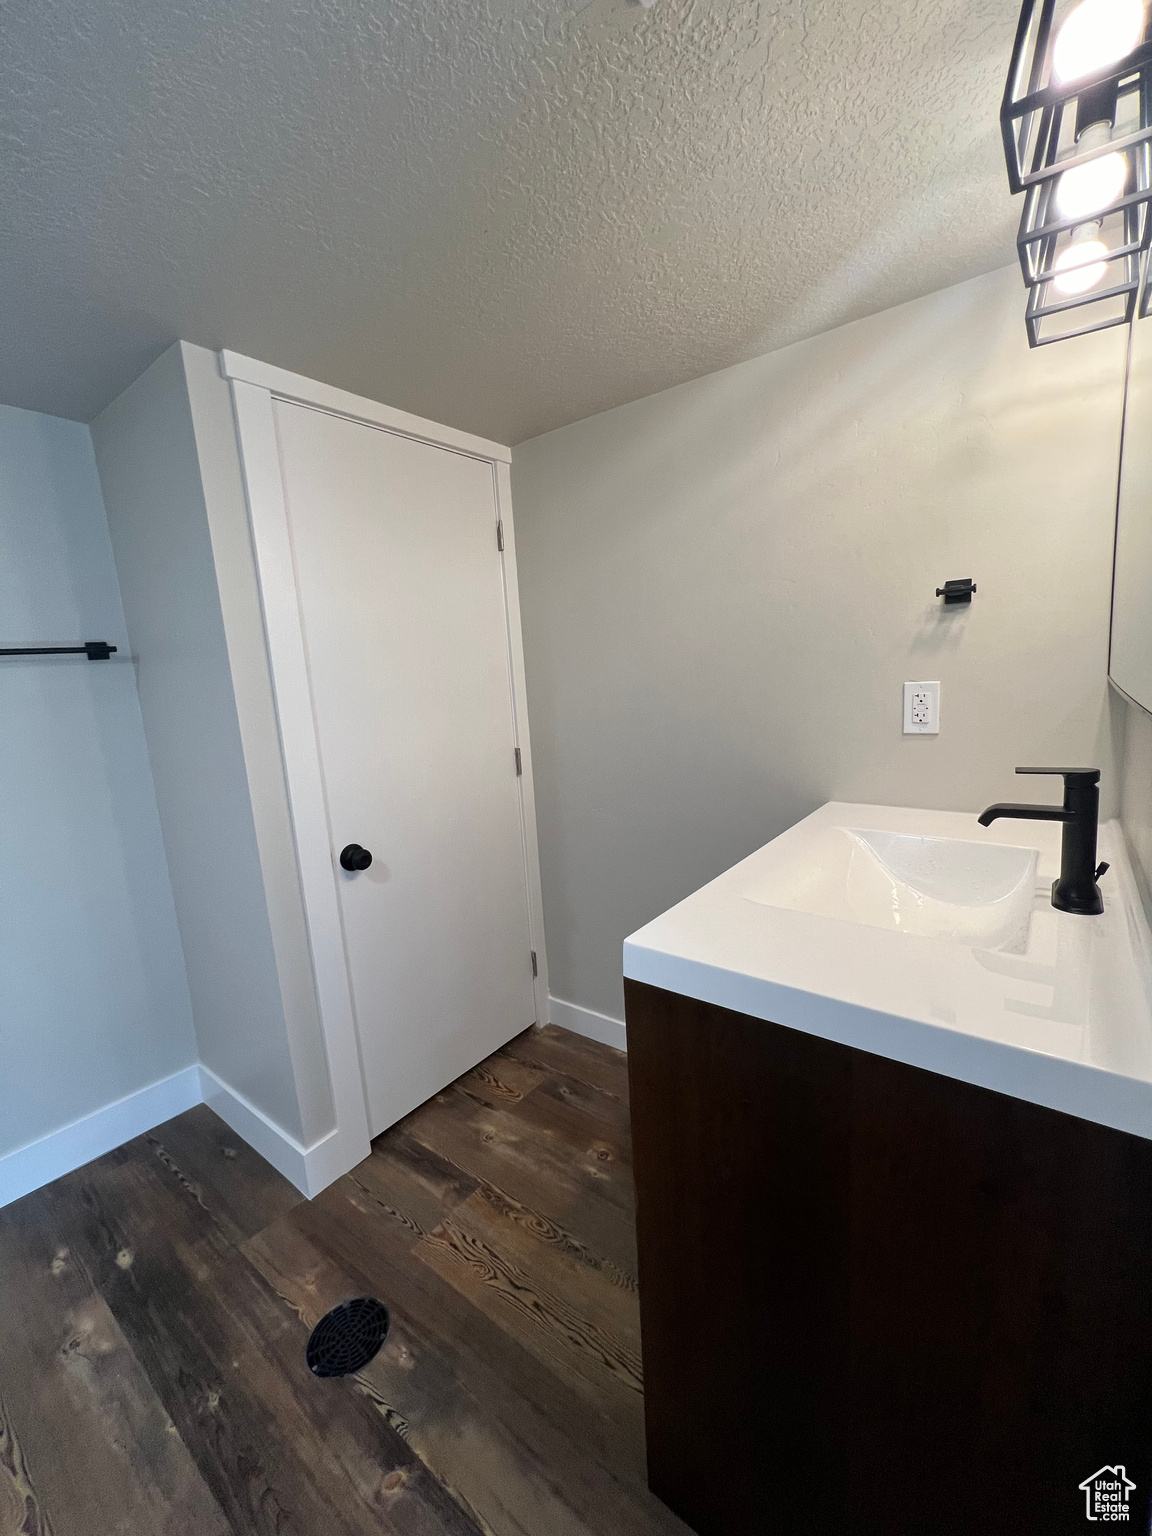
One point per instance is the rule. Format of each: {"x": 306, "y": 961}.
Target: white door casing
{"x": 450, "y": 910}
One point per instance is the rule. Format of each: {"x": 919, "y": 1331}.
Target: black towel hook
{"x": 957, "y": 591}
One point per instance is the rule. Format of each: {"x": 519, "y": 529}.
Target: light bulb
{"x": 1079, "y": 266}
{"x": 1090, "y": 187}
{"x": 1097, "y": 33}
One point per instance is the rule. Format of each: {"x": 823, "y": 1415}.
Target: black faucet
{"x": 1076, "y": 890}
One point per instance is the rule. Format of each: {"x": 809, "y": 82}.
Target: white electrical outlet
{"x": 921, "y": 709}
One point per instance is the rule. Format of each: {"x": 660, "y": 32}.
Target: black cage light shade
{"x": 1077, "y": 125}
{"x": 1055, "y": 313}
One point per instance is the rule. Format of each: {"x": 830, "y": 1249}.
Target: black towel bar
{"x": 95, "y": 650}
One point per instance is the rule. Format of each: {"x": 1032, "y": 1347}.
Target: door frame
{"x": 255, "y": 387}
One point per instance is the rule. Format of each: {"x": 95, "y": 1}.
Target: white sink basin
{"x": 922, "y": 936}
{"x": 979, "y": 894}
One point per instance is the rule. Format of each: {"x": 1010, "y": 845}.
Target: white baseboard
{"x": 586, "y": 1021}
{"x": 72, "y": 1146}
{"x": 311, "y": 1169}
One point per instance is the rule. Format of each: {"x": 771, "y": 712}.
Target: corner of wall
{"x": 96, "y": 1027}
{"x": 156, "y": 491}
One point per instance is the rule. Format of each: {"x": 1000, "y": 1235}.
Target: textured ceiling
{"x": 504, "y": 214}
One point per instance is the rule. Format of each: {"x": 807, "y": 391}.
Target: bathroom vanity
{"x": 891, "y": 1115}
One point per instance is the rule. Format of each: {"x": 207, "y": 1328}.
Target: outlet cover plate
{"x": 921, "y": 709}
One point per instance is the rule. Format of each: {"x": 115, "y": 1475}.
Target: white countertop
{"x": 1065, "y": 1022}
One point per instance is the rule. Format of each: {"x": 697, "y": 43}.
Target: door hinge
{"x": 500, "y": 535}
{"x": 535, "y": 971}
{"x": 519, "y": 763}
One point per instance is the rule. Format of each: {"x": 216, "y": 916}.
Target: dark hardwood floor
{"x": 155, "y": 1305}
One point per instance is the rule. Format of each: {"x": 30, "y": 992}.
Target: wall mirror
{"x": 1130, "y": 656}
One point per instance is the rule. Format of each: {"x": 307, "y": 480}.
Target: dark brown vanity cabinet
{"x": 877, "y": 1301}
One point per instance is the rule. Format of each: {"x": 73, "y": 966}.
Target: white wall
{"x": 1130, "y": 661}
{"x": 725, "y": 585}
{"x": 93, "y": 999}
{"x": 154, "y": 487}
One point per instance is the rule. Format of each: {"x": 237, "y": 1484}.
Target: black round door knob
{"x": 354, "y": 857}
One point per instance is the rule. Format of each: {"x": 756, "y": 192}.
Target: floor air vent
{"x": 345, "y": 1339}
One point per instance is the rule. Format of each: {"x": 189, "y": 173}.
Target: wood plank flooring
{"x": 155, "y": 1305}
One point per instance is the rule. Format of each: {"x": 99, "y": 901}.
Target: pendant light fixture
{"x": 1077, "y": 126}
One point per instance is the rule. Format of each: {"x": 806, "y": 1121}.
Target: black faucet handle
{"x": 1069, "y": 775}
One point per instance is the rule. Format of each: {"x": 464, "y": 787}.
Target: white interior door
{"x": 401, "y": 591}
